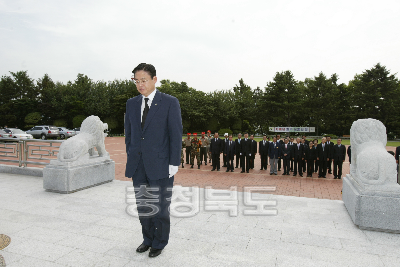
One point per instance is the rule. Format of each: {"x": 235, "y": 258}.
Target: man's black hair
{"x": 146, "y": 67}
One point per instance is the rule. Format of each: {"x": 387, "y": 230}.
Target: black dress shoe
{"x": 247, "y": 171}
{"x": 301, "y": 175}
{"x": 154, "y": 252}
{"x": 227, "y": 171}
{"x": 294, "y": 174}
{"x": 217, "y": 169}
{"x": 231, "y": 170}
{"x": 261, "y": 169}
{"x": 142, "y": 248}
{"x": 213, "y": 170}
{"x": 206, "y": 162}
{"x": 198, "y": 167}
{"x": 191, "y": 167}
{"x": 242, "y": 172}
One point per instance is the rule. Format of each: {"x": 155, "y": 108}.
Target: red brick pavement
{"x": 285, "y": 185}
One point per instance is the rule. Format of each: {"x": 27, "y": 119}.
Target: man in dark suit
{"x": 263, "y": 151}
{"x": 291, "y": 143}
{"x": 216, "y": 149}
{"x": 286, "y": 150}
{"x": 310, "y": 156}
{"x": 245, "y": 153}
{"x": 238, "y": 150}
{"x": 223, "y": 148}
{"x": 298, "y": 157}
{"x": 229, "y": 153}
{"x": 339, "y": 155}
{"x": 153, "y": 138}
{"x": 330, "y": 144}
{"x": 278, "y": 140}
{"x": 349, "y": 154}
{"x": 274, "y": 153}
{"x": 253, "y": 145}
{"x": 323, "y": 154}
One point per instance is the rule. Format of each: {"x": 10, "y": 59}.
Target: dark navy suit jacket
{"x": 274, "y": 151}
{"x": 160, "y": 142}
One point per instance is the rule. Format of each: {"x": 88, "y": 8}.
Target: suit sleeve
{"x": 127, "y": 128}
{"x": 175, "y": 133}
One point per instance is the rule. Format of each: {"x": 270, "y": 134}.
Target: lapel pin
{"x": 156, "y": 104}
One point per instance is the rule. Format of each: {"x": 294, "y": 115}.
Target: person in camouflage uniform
{"x": 195, "y": 151}
{"x": 203, "y": 148}
{"x": 182, "y": 156}
{"x": 209, "y": 137}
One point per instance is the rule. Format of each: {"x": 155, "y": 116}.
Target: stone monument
{"x": 371, "y": 193}
{"x": 78, "y": 164}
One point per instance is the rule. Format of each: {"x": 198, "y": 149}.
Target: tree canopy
{"x": 319, "y": 102}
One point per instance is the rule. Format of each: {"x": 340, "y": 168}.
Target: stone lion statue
{"x": 370, "y": 162}
{"x": 81, "y": 146}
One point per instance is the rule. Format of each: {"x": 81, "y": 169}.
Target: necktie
{"x": 323, "y": 147}
{"x": 145, "y": 111}
{"x": 239, "y": 141}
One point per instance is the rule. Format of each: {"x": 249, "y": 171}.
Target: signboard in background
{"x": 292, "y": 129}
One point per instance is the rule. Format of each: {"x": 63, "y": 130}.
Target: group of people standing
{"x": 298, "y": 157}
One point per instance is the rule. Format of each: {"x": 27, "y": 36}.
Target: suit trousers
{"x": 155, "y": 227}
{"x": 316, "y": 165}
{"x": 245, "y": 163}
{"x": 203, "y": 154}
{"x": 286, "y": 167}
{"x": 329, "y": 165}
{"x": 337, "y": 164}
{"x": 310, "y": 167}
{"x": 230, "y": 163}
{"x": 279, "y": 164}
{"x": 298, "y": 165}
{"x": 273, "y": 162}
{"x": 291, "y": 164}
{"x": 188, "y": 149}
{"x": 264, "y": 162}
{"x": 224, "y": 159}
{"x": 322, "y": 166}
{"x": 215, "y": 161}
{"x": 238, "y": 160}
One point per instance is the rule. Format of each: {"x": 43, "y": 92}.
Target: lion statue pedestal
{"x": 371, "y": 193}
{"x": 79, "y": 165}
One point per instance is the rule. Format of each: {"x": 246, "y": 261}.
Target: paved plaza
{"x": 92, "y": 227}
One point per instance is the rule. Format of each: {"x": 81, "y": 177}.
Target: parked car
{"x": 44, "y": 132}
{"x": 18, "y": 133}
{"x": 77, "y": 130}
{"x": 65, "y": 133}
{"x": 4, "y": 134}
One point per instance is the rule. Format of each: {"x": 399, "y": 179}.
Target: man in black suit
{"x": 339, "y": 155}
{"x": 245, "y": 153}
{"x": 216, "y": 149}
{"x": 263, "y": 151}
{"x": 229, "y": 153}
{"x": 223, "y": 148}
{"x": 323, "y": 154}
{"x": 291, "y": 143}
{"x": 349, "y": 155}
{"x": 253, "y": 145}
{"x": 310, "y": 156}
{"x": 305, "y": 147}
{"x": 298, "y": 157}
{"x": 238, "y": 150}
{"x": 305, "y": 141}
{"x": 330, "y": 144}
{"x": 286, "y": 150}
{"x": 278, "y": 140}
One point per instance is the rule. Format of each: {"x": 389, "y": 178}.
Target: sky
{"x": 210, "y": 45}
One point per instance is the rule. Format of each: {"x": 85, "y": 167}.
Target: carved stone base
{"x": 372, "y": 209}
{"x": 68, "y": 179}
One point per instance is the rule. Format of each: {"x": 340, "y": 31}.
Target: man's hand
{"x": 172, "y": 170}
{"x": 327, "y": 159}
{"x": 317, "y": 158}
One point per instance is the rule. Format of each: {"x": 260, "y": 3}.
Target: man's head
{"x": 328, "y": 138}
{"x": 226, "y": 135}
{"x": 195, "y": 136}
{"x": 278, "y": 137}
{"x": 230, "y": 137}
{"x": 274, "y": 139}
{"x": 291, "y": 139}
{"x": 323, "y": 140}
{"x": 268, "y": 138}
{"x": 298, "y": 140}
{"x": 208, "y": 133}
{"x": 251, "y": 137}
{"x": 286, "y": 140}
{"x": 310, "y": 144}
{"x": 339, "y": 141}
{"x": 246, "y": 135}
{"x": 216, "y": 135}
{"x": 145, "y": 78}
{"x": 188, "y": 135}
{"x": 239, "y": 135}
{"x": 316, "y": 141}
{"x": 264, "y": 137}
{"x": 303, "y": 140}
{"x": 304, "y": 137}
{"x": 203, "y": 134}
